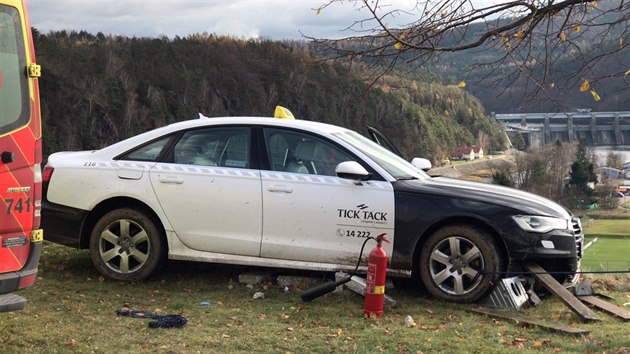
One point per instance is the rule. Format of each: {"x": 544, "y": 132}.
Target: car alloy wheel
{"x": 459, "y": 263}
{"x": 126, "y": 245}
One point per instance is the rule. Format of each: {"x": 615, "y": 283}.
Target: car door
{"x": 310, "y": 214}
{"x": 209, "y": 192}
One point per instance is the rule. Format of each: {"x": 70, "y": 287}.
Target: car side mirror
{"x": 422, "y": 164}
{"x": 352, "y": 170}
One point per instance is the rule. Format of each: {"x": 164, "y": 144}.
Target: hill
{"x": 98, "y": 89}
{"x": 511, "y": 72}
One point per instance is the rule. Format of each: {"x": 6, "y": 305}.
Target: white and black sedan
{"x": 294, "y": 194}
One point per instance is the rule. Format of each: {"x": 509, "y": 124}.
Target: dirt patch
{"x": 473, "y": 169}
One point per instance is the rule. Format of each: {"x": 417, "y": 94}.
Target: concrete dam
{"x": 595, "y": 128}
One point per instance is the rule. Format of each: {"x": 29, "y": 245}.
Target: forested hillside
{"x": 507, "y": 72}
{"x": 98, "y": 89}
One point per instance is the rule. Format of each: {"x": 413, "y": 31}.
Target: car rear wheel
{"x": 125, "y": 244}
{"x": 459, "y": 263}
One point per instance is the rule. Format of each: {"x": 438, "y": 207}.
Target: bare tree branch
{"x": 534, "y": 39}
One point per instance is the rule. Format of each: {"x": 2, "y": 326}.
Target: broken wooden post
{"x": 569, "y": 299}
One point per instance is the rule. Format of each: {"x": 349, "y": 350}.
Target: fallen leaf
{"x": 71, "y": 343}
{"x": 461, "y": 84}
{"x": 290, "y": 329}
{"x": 262, "y": 316}
{"x": 563, "y": 36}
{"x": 537, "y": 344}
{"x": 595, "y": 95}
{"x": 585, "y": 86}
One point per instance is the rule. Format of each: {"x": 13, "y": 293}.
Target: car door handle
{"x": 170, "y": 179}
{"x": 280, "y": 188}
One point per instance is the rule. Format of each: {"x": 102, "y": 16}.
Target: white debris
{"x": 409, "y": 322}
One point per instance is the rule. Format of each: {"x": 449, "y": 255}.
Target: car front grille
{"x": 579, "y": 235}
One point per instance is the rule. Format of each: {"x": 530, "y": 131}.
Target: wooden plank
{"x": 606, "y": 306}
{"x": 553, "y": 326}
{"x": 569, "y": 299}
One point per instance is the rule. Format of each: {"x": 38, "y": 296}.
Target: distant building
{"x": 462, "y": 153}
{"x": 478, "y": 151}
{"x": 467, "y": 153}
{"x": 609, "y": 173}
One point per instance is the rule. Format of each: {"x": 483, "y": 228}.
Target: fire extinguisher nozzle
{"x": 315, "y": 292}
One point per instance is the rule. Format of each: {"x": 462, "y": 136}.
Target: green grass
{"x": 615, "y": 214}
{"x": 598, "y": 227}
{"x": 607, "y": 254}
{"x": 71, "y": 309}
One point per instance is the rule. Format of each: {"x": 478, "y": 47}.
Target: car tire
{"x": 459, "y": 263}
{"x": 125, "y": 244}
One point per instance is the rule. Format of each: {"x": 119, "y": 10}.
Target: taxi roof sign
{"x": 283, "y": 113}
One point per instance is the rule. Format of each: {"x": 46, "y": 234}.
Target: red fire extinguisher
{"x": 375, "y": 282}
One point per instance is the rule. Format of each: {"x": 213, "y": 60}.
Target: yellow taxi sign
{"x": 283, "y": 113}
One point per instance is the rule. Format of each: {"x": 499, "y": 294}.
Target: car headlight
{"x": 541, "y": 224}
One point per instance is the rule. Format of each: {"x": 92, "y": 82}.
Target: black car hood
{"x": 524, "y": 202}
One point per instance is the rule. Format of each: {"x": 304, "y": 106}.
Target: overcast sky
{"x": 271, "y": 19}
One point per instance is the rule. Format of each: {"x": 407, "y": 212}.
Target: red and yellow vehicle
{"x": 20, "y": 155}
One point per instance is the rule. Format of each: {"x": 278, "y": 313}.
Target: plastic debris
{"x": 258, "y": 295}
{"x": 204, "y": 304}
{"x": 409, "y": 322}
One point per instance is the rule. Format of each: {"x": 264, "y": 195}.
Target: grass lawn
{"x": 72, "y": 309}
{"x": 616, "y": 227}
{"x": 607, "y": 254}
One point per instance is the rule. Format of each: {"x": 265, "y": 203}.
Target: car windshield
{"x": 392, "y": 163}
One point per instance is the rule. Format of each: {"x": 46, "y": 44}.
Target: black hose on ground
{"x": 322, "y": 289}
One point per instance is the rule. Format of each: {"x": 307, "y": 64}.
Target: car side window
{"x": 295, "y": 152}
{"x": 149, "y": 152}
{"x": 215, "y": 146}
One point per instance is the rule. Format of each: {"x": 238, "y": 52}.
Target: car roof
{"x": 296, "y": 123}
{"x": 316, "y": 127}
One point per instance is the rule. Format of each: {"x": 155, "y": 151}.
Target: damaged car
{"x": 295, "y": 194}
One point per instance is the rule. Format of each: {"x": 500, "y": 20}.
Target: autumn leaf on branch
{"x": 595, "y": 95}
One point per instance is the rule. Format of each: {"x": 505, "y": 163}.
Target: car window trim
{"x": 159, "y": 158}
{"x": 267, "y": 166}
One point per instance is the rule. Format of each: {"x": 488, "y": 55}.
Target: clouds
{"x": 275, "y": 19}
